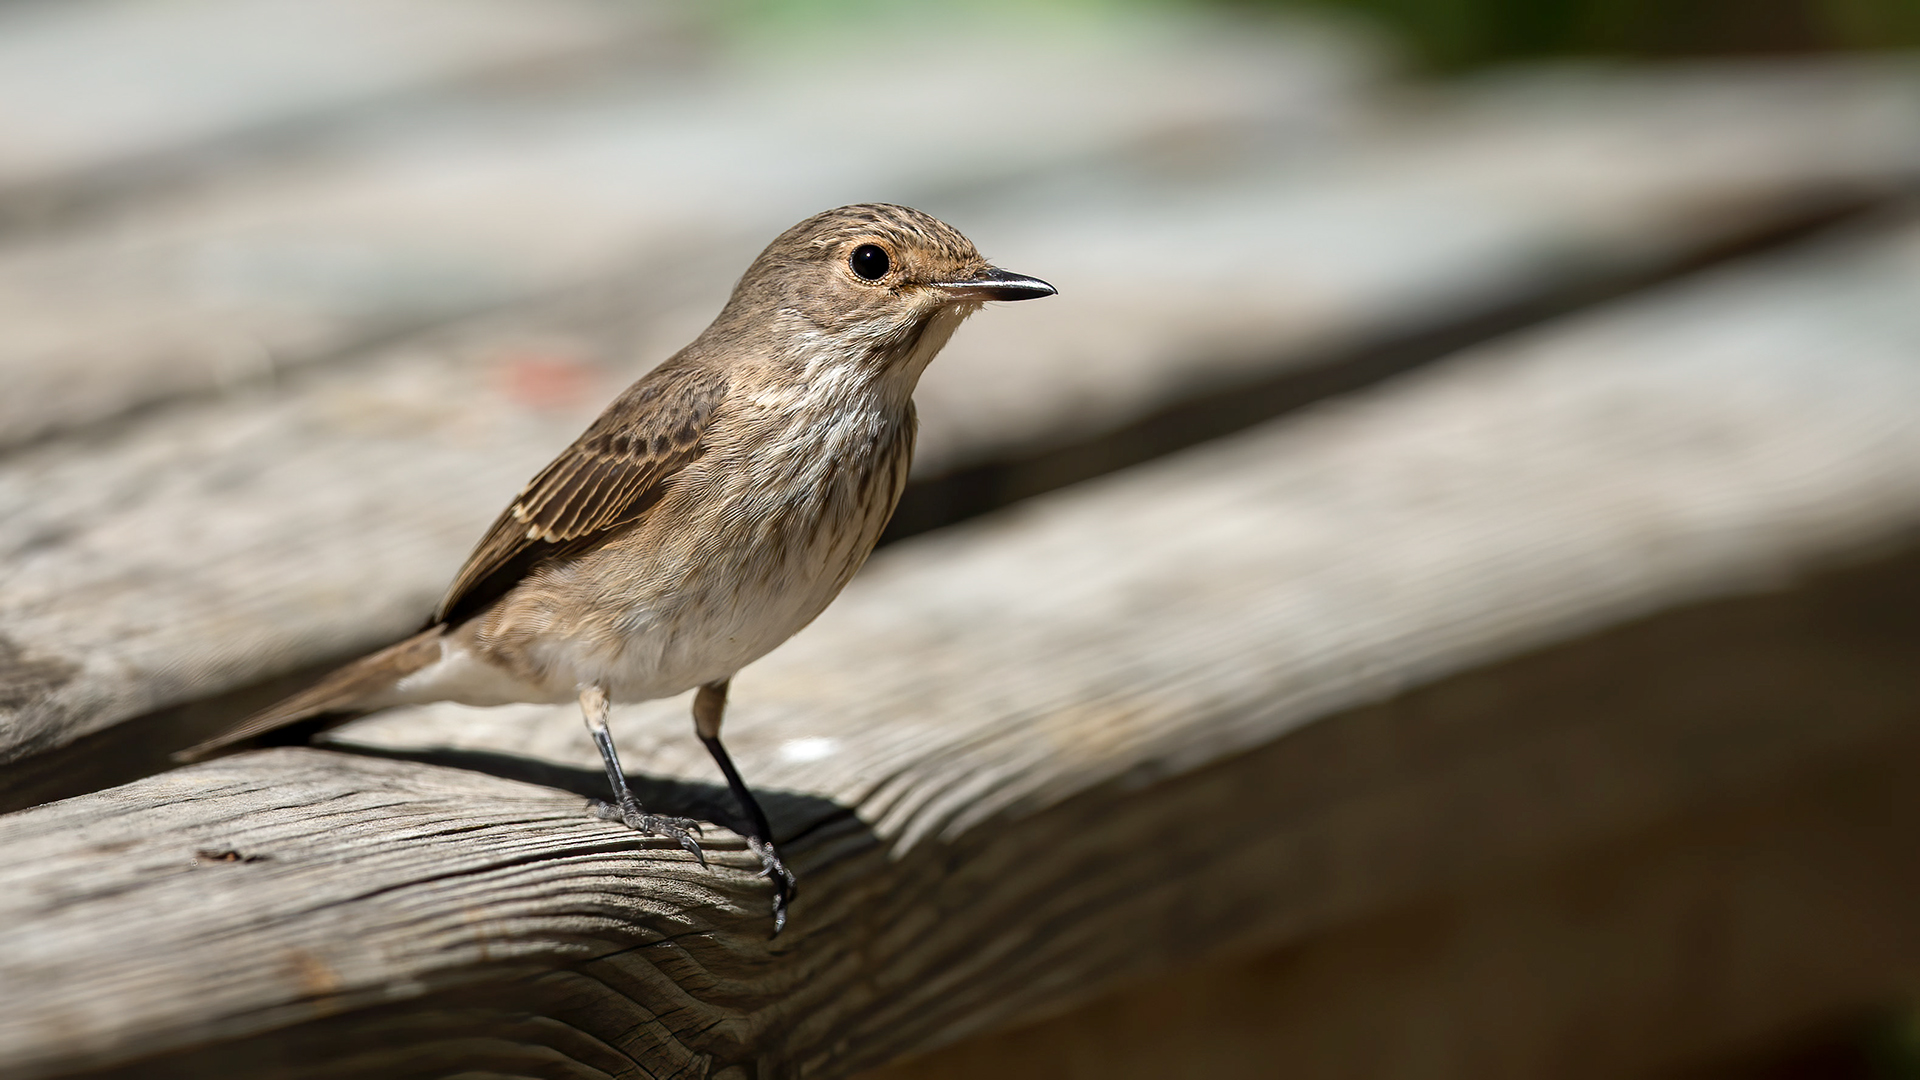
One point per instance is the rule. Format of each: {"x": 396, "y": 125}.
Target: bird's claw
{"x": 784, "y": 886}
{"x": 683, "y": 830}
{"x": 678, "y": 829}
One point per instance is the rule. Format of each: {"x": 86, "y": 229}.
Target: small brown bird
{"x": 714, "y": 509}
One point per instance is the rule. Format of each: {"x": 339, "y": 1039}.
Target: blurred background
{"x": 254, "y": 255}
{"x": 1446, "y": 35}
{"x": 1456, "y": 35}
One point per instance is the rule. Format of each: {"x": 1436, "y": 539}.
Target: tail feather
{"x": 349, "y": 691}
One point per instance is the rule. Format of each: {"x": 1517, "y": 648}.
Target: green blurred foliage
{"x": 1463, "y": 33}
{"x": 1451, "y": 34}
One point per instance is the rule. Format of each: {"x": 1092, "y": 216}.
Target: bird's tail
{"x": 348, "y": 692}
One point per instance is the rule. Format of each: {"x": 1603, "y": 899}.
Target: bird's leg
{"x": 709, "y": 706}
{"x": 625, "y": 808}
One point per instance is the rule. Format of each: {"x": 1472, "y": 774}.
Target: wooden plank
{"x": 1248, "y": 692}
{"x": 510, "y": 191}
{"x": 102, "y": 96}
{"x": 357, "y": 242}
{"x": 1517, "y": 188}
{"x": 1727, "y": 933}
{"x": 258, "y": 511}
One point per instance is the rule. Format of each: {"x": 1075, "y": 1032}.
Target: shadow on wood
{"x": 661, "y": 795}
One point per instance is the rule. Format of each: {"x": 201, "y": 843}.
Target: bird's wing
{"x": 608, "y": 478}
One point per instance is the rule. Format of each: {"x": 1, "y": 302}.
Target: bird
{"x": 716, "y": 507}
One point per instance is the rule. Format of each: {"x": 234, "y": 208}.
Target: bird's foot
{"x": 678, "y": 829}
{"x": 784, "y": 886}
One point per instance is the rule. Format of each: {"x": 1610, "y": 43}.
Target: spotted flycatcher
{"x": 714, "y": 509}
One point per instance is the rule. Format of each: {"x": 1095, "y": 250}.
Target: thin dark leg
{"x": 625, "y": 808}
{"x": 709, "y": 705}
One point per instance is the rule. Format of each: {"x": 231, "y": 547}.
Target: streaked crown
{"x": 873, "y": 270}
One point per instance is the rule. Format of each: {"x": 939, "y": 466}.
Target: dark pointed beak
{"x": 994, "y": 283}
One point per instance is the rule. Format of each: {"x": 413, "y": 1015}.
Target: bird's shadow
{"x": 791, "y": 813}
{"x": 142, "y": 747}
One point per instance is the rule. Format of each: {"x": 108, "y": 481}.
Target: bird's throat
{"x": 903, "y": 372}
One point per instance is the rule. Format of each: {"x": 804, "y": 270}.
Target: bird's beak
{"x": 994, "y": 283}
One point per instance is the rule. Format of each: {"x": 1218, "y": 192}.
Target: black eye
{"x": 869, "y": 261}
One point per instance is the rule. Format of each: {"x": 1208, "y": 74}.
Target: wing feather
{"x": 608, "y": 478}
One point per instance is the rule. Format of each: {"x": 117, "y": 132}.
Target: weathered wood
{"x": 1109, "y": 730}
{"x": 516, "y": 191}
{"x": 299, "y": 522}
{"x": 1729, "y": 933}
{"x": 1509, "y": 191}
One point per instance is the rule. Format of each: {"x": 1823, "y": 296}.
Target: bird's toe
{"x": 784, "y": 885}
{"x": 680, "y": 830}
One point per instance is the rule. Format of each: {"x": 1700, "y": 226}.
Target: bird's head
{"x": 876, "y": 284}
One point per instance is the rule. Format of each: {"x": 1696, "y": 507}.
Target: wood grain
{"x": 1244, "y": 694}
{"x": 1725, "y": 934}
{"x": 296, "y": 521}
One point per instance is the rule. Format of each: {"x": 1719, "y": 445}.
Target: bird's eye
{"x": 869, "y": 261}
